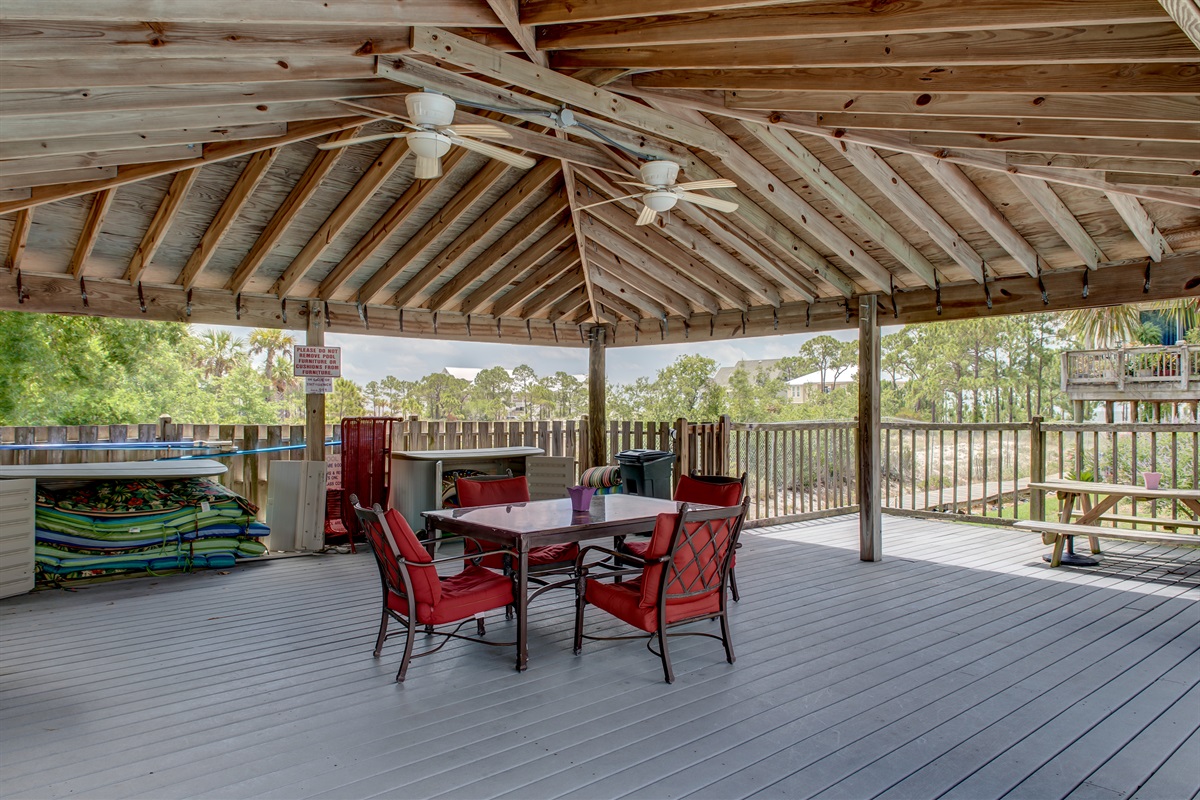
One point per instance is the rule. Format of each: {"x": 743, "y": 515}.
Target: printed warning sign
{"x": 317, "y": 362}
{"x": 318, "y": 385}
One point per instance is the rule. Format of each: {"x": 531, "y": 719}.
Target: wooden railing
{"x": 1131, "y": 368}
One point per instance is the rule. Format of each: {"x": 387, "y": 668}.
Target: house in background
{"x": 515, "y": 404}
{"x": 807, "y": 387}
{"x": 753, "y": 367}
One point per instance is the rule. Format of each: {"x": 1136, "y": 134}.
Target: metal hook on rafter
{"x": 142, "y": 298}
{"x": 1146, "y": 285}
{"x": 22, "y": 293}
{"x": 528, "y": 329}
{"x": 775, "y": 317}
{"x": 1086, "y": 288}
{"x": 435, "y": 316}
{"x": 846, "y": 303}
{"x": 402, "y": 320}
{"x": 83, "y": 292}
{"x": 362, "y": 315}
{"x": 282, "y": 308}
{"x": 327, "y": 317}
{"x": 187, "y": 306}
{"x": 237, "y": 302}
{"x": 468, "y": 326}
{"x": 554, "y": 328}
{"x": 807, "y": 314}
{"x": 499, "y": 334}
{"x": 937, "y": 288}
{"x": 662, "y": 328}
{"x": 1042, "y": 285}
{"x": 892, "y": 296}
{"x": 743, "y": 323}
{"x": 987, "y": 293}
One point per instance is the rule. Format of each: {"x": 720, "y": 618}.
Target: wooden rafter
{"x": 29, "y": 180}
{"x": 1055, "y": 211}
{"x": 1115, "y": 148}
{"x": 630, "y": 275}
{"x": 552, "y": 270}
{"x": 378, "y": 13}
{"x": 572, "y": 191}
{"x": 1186, "y": 14}
{"x": 1141, "y": 225}
{"x": 516, "y": 269}
{"x": 193, "y": 139}
{"x": 18, "y": 240}
{"x": 509, "y": 13}
{"x": 606, "y": 278}
{"x": 101, "y": 203}
{"x": 167, "y": 210}
{"x": 239, "y": 194}
{"x": 545, "y": 295}
{"x": 419, "y": 285}
{"x": 650, "y": 265}
{"x": 551, "y": 12}
{"x": 44, "y": 167}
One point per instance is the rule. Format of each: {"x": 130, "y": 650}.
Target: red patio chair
{"x": 490, "y": 491}
{"x": 681, "y": 579}
{"x": 713, "y": 490}
{"x": 413, "y": 592}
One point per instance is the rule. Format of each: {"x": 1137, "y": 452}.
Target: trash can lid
{"x": 642, "y": 456}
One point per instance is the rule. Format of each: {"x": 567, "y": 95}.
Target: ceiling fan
{"x": 433, "y": 132}
{"x": 661, "y": 193}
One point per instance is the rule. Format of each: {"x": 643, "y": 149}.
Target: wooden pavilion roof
{"x": 159, "y": 160}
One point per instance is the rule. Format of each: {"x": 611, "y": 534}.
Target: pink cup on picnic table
{"x": 1152, "y": 479}
{"x": 581, "y": 497}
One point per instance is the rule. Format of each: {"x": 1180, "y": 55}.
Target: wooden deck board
{"x": 910, "y": 675}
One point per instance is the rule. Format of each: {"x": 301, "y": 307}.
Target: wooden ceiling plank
{"x": 1089, "y": 79}
{"x": 1152, "y": 108}
{"x": 124, "y": 99}
{"x": 134, "y": 72}
{"x": 849, "y": 19}
{"x": 317, "y": 170}
{"x": 822, "y": 180}
{"x": 1150, "y": 179}
{"x": 555, "y": 12}
{"x": 101, "y": 203}
{"x": 573, "y": 303}
{"x": 569, "y": 185}
{"x": 377, "y": 235}
{"x": 683, "y": 289}
{"x": 541, "y": 277}
{"x": 419, "y": 75}
{"x": 220, "y": 152}
{"x": 617, "y": 304}
{"x": 601, "y": 315}
{"x": 509, "y": 13}
{"x": 978, "y": 205}
{"x": 474, "y": 188}
{"x": 1102, "y": 164}
{"x": 116, "y": 158}
{"x": 358, "y": 196}
{"x": 1055, "y": 211}
{"x": 380, "y": 13}
{"x": 1140, "y": 224}
{"x": 167, "y": 210}
{"x": 607, "y": 280}
{"x": 515, "y": 269}
{"x": 905, "y": 197}
{"x": 40, "y": 179}
{"x": 521, "y": 138}
{"x": 18, "y": 240}
{"x": 651, "y": 239}
{"x": 239, "y": 194}
{"x": 996, "y": 127}
{"x": 509, "y": 69}
{"x": 1117, "y": 148}
{"x": 1153, "y": 42}
{"x": 660, "y": 293}
{"x": 417, "y": 287}
{"x": 692, "y": 241}
{"x": 89, "y": 146}
{"x": 1186, "y": 14}
{"x": 544, "y": 296}
{"x": 553, "y": 207}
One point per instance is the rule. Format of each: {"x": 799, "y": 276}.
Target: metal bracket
{"x": 775, "y": 317}
{"x": 892, "y": 296}
{"x": 402, "y": 320}
{"x": 1086, "y": 288}
{"x": 188, "y": 305}
{"x": 554, "y": 327}
{"x": 937, "y": 287}
{"x": 846, "y": 303}
{"x": 662, "y": 328}
{"x": 237, "y": 302}
{"x": 807, "y": 314}
{"x": 582, "y": 338}
{"x": 1042, "y": 286}
{"x": 1146, "y": 285}
{"x": 743, "y": 323}
{"x": 22, "y": 293}
{"x": 142, "y": 298}
{"x": 712, "y": 325}
{"x": 499, "y": 333}
{"x": 528, "y": 329}
{"x": 362, "y": 315}
{"x": 327, "y": 317}
{"x": 83, "y": 293}
{"x": 687, "y": 330}
{"x": 468, "y": 325}
{"x": 435, "y": 316}
{"x": 987, "y": 293}
{"x": 282, "y": 309}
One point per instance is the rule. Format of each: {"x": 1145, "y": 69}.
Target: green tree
{"x": 442, "y": 396}
{"x": 523, "y": 383}
{"x": 827, "y": 355}
{"x": 219, "y": 353}
{"x": 346, "y": 400}
{"x": 273, "y": 343}
{"x": 490, "y": 393}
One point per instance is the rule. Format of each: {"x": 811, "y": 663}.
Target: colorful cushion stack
{"x": 606, "y": 480}
{"x": 102, "y": 527}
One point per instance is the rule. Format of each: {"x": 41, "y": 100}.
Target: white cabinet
{"x": 17, "y": 503}
{"x": 296, "y": 505}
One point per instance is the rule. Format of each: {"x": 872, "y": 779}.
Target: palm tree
{"x": 271, "y": 341}
{"x": 219, "y": 353}
{"x": 1100, "y": 328}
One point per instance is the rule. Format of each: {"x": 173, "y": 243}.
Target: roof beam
{"x": 515, "y": 269}
{"x": 89, "y": 146}
{"x": 101, "y": 203}
{"x": 1101, "y": 164}
{"x": 508, "y": 69}
{"x": 26, "y": 180}
{"x": 321, "y": 165}
{"x": 1140, "y": 224}
{"x": 372, "y": 178}
{"x": 133, "y": 72}
{"x": 527, "y": 186}
{"x": 683, "y": 289}
{"x": 1153, "y": 42}
{"x": 1055, "y": 211}
{"x": 850, "y": 19}
{"x": 995, "y": 127}
{"x": 660, "y": 292}
{"x": 1093, "y": 79}
{"x": 239, "y": 194}
{"x": 400, "y": 211}
{"x": 442, "y": 221}
{"x": 554, "y": 12}
{"x": 18, "y": 239}
{"x": 509, "y": 13}
{"x": 212, "y": 155}
{"x": 541, "y": 277}
{"x": 822, "y": 180}
{"x": 1022, "y": 106}
{"x": 576, "y": 222}
{"x": 545, "y": 295}
{"x": 875, "y": 169}
{"x": 381, "y": 13}
{"x": 1186, "y": 14}
{"x": 616, "y": 303}
{"x": 572, "y": 304}
{"x": 968, "y": 195}
{"x": 167, "y": 210}
{"x": 1150, "y": 179}
{"x": 50, "y": 164}
{"x": 1115, "y": 148}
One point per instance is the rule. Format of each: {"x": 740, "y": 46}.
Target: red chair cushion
{"x": 691, "y": 490}
{"x": 625, "y": 602}
{"x": 427, "y": 589}
{"x": 470, "y": 592}
{"x": 639, "y": 547}
{"x": 538, "y": 556}
{"x": 492, "y": 492}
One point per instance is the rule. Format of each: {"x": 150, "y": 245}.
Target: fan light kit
{"x": 433, "y": 133}
{"x": 662, "y": 193}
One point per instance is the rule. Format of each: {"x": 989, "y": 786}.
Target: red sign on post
{"x": 317, "y": 362}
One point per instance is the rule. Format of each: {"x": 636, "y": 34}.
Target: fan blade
{"x": 610, "y": 200}
{"x": 708, "y": 202}
{"x": 645, "y": 186}
{"x": 712, "y": 183}
{"x": 427, "y": 168}
{"x": 647, "y": 216}
{"x": 498, "y": 153}
{"x": 347, "y": 142}
{"x": 484, "y": 131}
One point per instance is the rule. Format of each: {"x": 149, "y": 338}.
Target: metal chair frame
{"x": 375, "y": 515}
{"x": 682, "y": 541}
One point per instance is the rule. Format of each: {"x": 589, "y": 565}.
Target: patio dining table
{"x": 523, "y": 526}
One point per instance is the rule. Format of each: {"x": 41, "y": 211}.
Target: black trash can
{"x": 647, "y": 472}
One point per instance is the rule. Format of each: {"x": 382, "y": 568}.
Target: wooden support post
{"x": 597, "y": 414}
{"x": 1077, "y": 416}
{"x": 1037, "y": 468}
{"x": 314, "y": 404}
{"x": 870, "y": 511}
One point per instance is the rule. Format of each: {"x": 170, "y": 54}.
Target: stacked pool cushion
{"x": 102, "y": 527}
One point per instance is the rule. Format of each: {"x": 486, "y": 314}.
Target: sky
{"x": 372, "y": 358}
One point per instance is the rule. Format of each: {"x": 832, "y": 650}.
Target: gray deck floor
{"x": 961, "y": 666}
